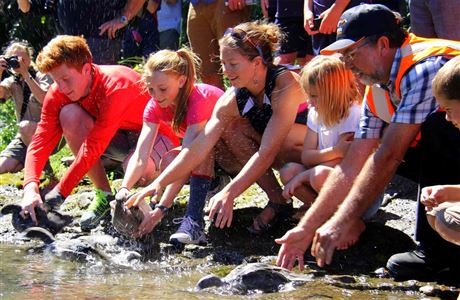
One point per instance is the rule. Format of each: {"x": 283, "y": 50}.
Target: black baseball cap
{"x": 362, "y": 21}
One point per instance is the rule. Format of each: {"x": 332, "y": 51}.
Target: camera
{"x": 12, "y": 62}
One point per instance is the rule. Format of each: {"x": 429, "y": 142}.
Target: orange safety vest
{"x": 413, "y": 50}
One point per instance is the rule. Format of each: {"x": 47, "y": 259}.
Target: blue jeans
{"x": 169, "y": 39}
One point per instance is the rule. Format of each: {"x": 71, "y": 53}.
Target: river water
{"x": 28, "y": 275}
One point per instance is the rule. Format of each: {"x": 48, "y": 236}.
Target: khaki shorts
{"x": 448, "y": 213}
{"x": 206, "y": 24}
{"x": 17, "y": 149}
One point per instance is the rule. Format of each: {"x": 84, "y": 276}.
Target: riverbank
{"x": 352, "y": 270}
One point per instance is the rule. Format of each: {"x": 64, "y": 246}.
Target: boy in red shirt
{"x": 97, "y": 109}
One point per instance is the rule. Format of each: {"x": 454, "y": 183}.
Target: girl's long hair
{"x": 180, "y": 62}
{"x": 336, "y": 87}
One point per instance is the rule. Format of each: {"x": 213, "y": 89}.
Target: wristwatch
{"x": 124, "y": 20}
{"x": 164, "y": 209}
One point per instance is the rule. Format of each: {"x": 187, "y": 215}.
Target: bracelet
{"x": 164, "y": 209}
{"x": 123, "y": 187}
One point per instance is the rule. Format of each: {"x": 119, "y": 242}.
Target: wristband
{"x": 124, "y": 20}
{"x": 164, "y": 209}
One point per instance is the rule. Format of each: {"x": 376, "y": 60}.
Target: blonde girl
{"x": 332, "y": 119}
{"x": 178, "y": 101}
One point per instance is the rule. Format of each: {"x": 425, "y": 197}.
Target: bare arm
{"x": 130, "y": 10}
{"x": 190, "y": 157}
{"x": 138, "y": 161}
{"x": 153, "y": 217}
{"x": 38, "y": 92}
{"x": 373, "y": 178}
{"x": 3, "y": 67}
{"x": 308, "y": 16}
{"x": 314, "y": 156}
{"x": 286, "y": 99}
{"x": 296, "y": 241}
{"x": 432, "y": 196}
{"x": 24, "y": 5}
{"x": 332, "y": 16}
{"x": 171, "y": 190}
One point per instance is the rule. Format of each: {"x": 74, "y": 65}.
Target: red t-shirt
{"x": 116, "y": 101}
{"x": 199, "y": 108}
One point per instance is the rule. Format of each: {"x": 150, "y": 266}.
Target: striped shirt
{"x": 417, "y": 101}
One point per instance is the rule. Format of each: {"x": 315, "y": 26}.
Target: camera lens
{"x": 12, "y": 62}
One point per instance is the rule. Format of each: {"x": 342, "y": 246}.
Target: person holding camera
{"x": 27, "y": 88}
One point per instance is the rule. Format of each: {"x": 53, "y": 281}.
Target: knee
{"x": 73, "y": 120}
{"x": 288, "y": 171}
{"x": 168, "y": 158}
{"x": 447, "y": 223}
{"x": 27, "y": 128}
{"x": 319, "y": 176}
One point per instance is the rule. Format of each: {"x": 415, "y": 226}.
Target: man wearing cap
{"x": 400, "y": 129}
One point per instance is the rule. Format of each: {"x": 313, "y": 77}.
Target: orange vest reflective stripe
{"x": 413, "y": 50}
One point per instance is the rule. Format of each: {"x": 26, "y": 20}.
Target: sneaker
{"x": 218, "y": 183}
{"x": 416, "y": 265}
{"x": 189, "y": 232}
{"x": 97, "y": 210}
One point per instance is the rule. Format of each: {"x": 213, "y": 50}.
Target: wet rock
{"x": 52, "y": 221}
{"x": 74, "y": 249}
{"x": 126, "y": 220}
{"x": 252, "y": 277}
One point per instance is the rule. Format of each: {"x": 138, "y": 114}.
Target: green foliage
{"x": 8, "y": 126}
{"x": 34, "y": 27}
{"x": 134, "y": 62}
{"x": 56, "y": 163}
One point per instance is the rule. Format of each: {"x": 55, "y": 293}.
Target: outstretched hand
{"x": 154, "y": 189}
{"x": 111, "y": 27}
{"x": 122, "y": 194}
{"x": 151, "y": 220}
{"x": 432, "y": 196}
{"x": 325, "y": 241}
{"x": 29, "y": 202}
{"x": 221, "y": 209}
{"x": 294, "y": 244}
{"x": 292, "y": 185}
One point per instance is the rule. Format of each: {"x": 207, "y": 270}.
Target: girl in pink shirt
{"x": 179, "y": 102}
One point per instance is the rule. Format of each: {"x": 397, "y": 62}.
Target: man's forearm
{"x": 132, "y": 7}
{"x": 338, "y": 184}
{"x": 378, "y": 171}
{"x": 24, "y": 5}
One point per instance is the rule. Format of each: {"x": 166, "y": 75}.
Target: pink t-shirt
{"x": 200, "y": 105}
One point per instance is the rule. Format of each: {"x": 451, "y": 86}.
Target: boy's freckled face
{"x": 71, "y": 82}
{"x": 452, "y": 108}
